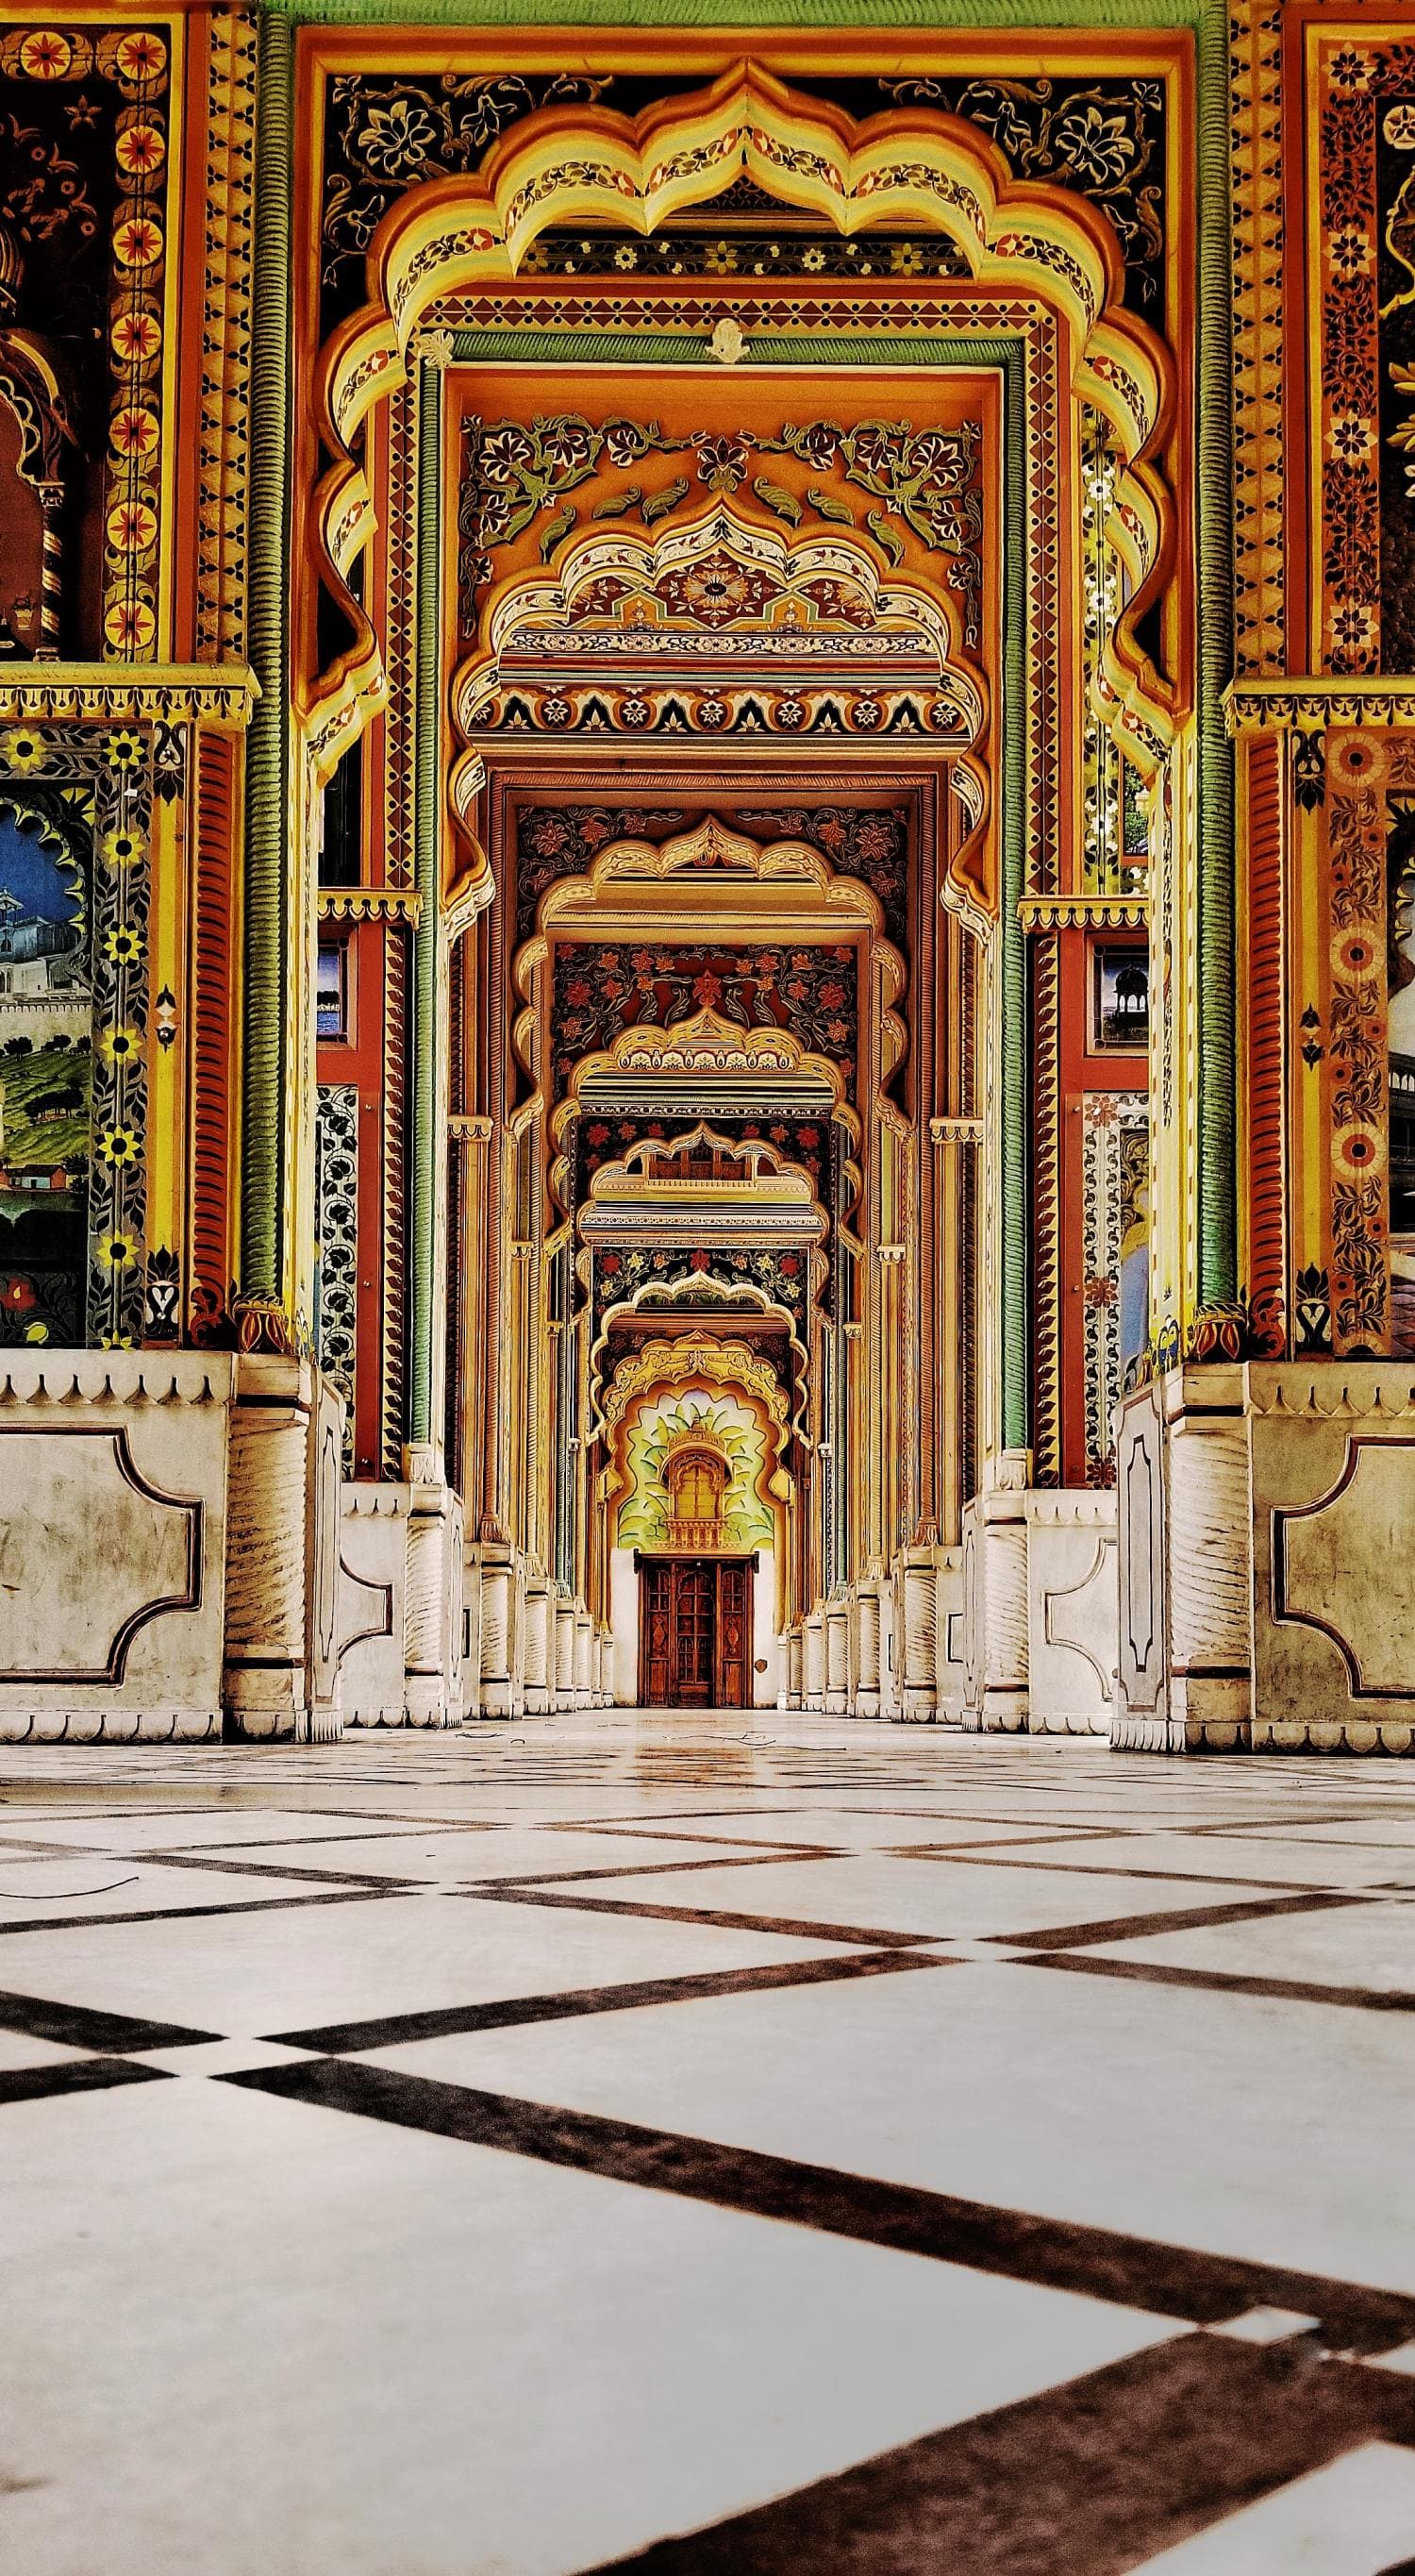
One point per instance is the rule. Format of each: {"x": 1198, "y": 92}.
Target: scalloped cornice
{"x": 1310, "y": 705}
{"x": 128, "y": 693}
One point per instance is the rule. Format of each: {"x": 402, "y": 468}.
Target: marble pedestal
{"x": 493, "y": 1571}
{"x": 948, "y": 1635}
{"x": 916, "y": 1636}
{"x": 539, "y": 1659}
{"x": 1040, "y": 1611}
{"x": 866, "y": 1630}
{"x": 813, "y": 1664}
{"x": 1267, "y": 1532}
{"x": 373, "y": 1582}
{"x": 169, "y": 1547}
{"x": 283, "y": 1524}
{"x": 401, "y": 1631}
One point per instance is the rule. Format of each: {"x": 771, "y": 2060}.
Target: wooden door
{"x": 734, "y": 1636}
{"x": 695, "y": 1632}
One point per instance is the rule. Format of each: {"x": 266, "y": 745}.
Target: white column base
{"x": 1040, "y": 1611}
{"x": 995, "y": 1634}
{"x": 501, "y": 1578}
{"x": 283, "y": 1526}
{"x": 915, "y": 1633}
{"x": 539, "y": 1663}
{"x": 948, "y": 1635}
{"x": 837, "y": 1658}
{"x": 401, "y": 1625}
{"x": 113, "y": 1553}
{"x": 1267, "y": 1531}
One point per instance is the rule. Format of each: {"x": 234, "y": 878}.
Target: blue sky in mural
{"x": 29, "y": 870}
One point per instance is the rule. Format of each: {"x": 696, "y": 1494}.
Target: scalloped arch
{"x": 917, "y": 164}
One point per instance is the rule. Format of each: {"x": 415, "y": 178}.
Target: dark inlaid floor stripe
{"x": 378, "y": 1895}
{"x": 509, "y": 2012}
{"x": 1093, "y": 2478}
{"x": 1291, "y": 1990}
{"x": 1181, "y": 1918}
{"x": 852, "y": 1936}
{"x": 738, "y": 1859}
{"x": 1127, "y": 2271}
{"x": 998, "y": 1856}
{"x": 235, "y": 1866}
{"x": 77, "y": 2075}
{"x": 79, "y": 2026}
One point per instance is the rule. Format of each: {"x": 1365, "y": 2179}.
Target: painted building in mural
{"x": 707, "y": 874}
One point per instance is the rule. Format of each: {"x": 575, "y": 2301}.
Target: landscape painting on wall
{"x": 46, "y": 1022}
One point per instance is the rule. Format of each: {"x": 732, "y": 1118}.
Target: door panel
{"x": 695, "y": 1627}
{"x": 655, "y": 1635}
{"x": 734, "y": 1636}
{"x": 695, "y": 1633}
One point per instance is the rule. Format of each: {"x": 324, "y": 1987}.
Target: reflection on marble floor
{"x": 705, "y": 2144}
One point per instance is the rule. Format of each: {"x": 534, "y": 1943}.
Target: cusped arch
{"x": 912, "y": 164}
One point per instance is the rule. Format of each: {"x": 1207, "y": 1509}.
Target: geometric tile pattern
{"x": 695, "y": 2145}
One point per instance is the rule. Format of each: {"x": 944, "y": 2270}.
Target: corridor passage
{"x": 705, "y": 2142}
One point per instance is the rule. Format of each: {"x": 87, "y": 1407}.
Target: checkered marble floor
{"x": 705, "y": 2143}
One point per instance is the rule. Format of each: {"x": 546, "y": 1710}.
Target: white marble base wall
{"x": 1267, "y": 1531}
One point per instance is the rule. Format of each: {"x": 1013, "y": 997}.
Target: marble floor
{"x": 705, "y": 2144}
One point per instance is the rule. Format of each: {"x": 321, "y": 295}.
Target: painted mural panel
{"x": 731, "y": 1428}
{"x": 46, "y": 1063}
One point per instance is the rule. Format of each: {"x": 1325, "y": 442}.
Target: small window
{"x": 1120, "y": 998}
{"x": 332, "y": 991}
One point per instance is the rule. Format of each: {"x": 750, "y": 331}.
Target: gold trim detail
{"x": 129, "y": 692}
{"x": 1311, "y": 705}
{"x": 369, "y": 903}
{"x": 1084, "y": 911}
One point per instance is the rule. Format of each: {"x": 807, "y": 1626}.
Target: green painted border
{"x": 427, "y": 877}
{"x": 1004, "y": 351}
{"x": 266, "y": 914}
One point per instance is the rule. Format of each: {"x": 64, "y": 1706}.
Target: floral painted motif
{"x": 1366, "y": 424}
{"x": 83, "y": 181}
{"x": 806, "y": 1142}
{"x": 514, "y": 471}
{"x": 784, "y": 1277}
{"x": 383, "y": 137}
{"x": 1106, "y": 139}
{"x": 870, "y": 842}
{"x": 86, "y": 794}
{"x": 604, "y": 987}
